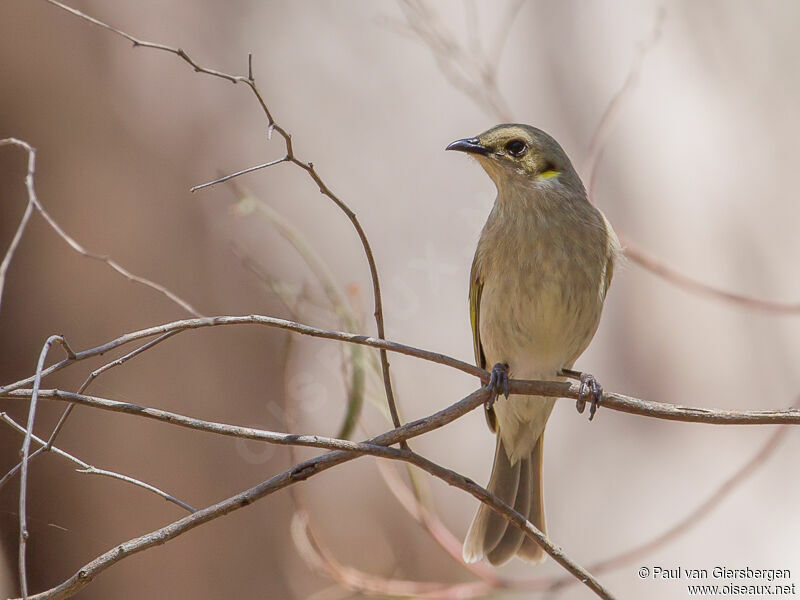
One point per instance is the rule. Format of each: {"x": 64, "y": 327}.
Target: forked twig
{"x": 308, "y": 167}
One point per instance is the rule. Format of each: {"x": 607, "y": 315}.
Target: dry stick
{"x": 23, "y": 223}
{"x": 552, "y": 389}
{"x": 99, "y": 371}
{"x": 633, "y": 250}
{"x": 328, "y": 443}
{"x": 92, "y": 376}
{"x": 203, "y": 322}
{"x": 32, "y": 198}
{"x": 596, "y": 146}
{"x": 308, "y": 167}
{"x": 33, "y": 202}
{"x": 317, "y": 555}
{"x": 26, "y": 446}
{"x": 305, "y": 469}
{"x": 344, "y": 451}
{"x": 90, "y": 469}
{"x": 440, "y": 419}
{"x": 501, "y": 37}
{"x": 133, "y": 40}
{"x": 289, "y": 157}
{"x": 371, "y": 584}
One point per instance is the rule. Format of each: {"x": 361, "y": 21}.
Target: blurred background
{"x": 699, "y": 170}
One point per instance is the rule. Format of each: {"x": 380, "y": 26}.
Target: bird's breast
{"x": 542, "y": 297}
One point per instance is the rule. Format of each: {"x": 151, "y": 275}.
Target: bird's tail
{"x": 519, "y": 485}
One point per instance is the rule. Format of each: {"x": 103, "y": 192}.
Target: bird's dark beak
{"x": 471, "y": 145}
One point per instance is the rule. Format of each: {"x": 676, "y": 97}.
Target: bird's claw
{"x": 498, "y": 384}
{"x": 589, "y": 387}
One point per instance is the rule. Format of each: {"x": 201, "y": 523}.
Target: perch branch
{"x": 344, "y": 450}
{"x": 553, "y": 389}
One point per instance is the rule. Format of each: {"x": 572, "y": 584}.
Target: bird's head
{"x": 521, "y": 155}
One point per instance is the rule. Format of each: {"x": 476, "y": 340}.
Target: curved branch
{"x": 552, "y": 389}
{"x": 344, "y": 450}
{"x": 308, "y": 167}
{"x": 86, "y": 467}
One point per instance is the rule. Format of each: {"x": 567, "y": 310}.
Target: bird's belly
{"x": 537, "y": 327}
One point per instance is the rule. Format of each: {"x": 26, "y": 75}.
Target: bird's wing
{"x": 475, "y": 290}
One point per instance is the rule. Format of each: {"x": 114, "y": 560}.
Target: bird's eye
{"x": 516, "y": 148}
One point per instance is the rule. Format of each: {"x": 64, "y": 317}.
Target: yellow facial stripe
{"x": 548, "y": 174}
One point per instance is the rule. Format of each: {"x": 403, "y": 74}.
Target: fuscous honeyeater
{"x": 541, "y": 271}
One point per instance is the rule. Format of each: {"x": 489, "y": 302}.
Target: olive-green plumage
{"x": 541, "y": 271}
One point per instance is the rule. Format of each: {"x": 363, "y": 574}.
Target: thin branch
{"x": 99, "y": 371}
{"x": 470, "y": 73}
{"x": 552, "y": 389}
{"x": 33, "y": 199}
{"x": 347, "y": 450}
{"x": 225, "y": 178}
{"x": 203, "y": 322}
{"x": 308, "y": 167}
{"x": 90, "y": 469}
{"x": 369, "y": 584}
{"x": 25, "y": 451}
{"x": 23, "y": 223}
{"x": 374, "y": 447}
{"x": 92, "y": 376}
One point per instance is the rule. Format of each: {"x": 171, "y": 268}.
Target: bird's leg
{"x": 589, "y": 386}
{"x": 498, "y": 384}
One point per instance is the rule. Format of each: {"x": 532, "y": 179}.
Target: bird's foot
{"x": 589, "y": 387}
{"x": 498, "y": 384}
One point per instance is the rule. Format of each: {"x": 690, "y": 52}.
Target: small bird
{"x": 539, "y": 278}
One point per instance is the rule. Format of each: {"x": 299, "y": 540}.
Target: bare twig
{"x": 225, "y": 178}
{"x": 552, "y": 389}
{"x": 495, "y": 52}
{"x": 359, "y": 581}
{"x": 33, "y": 200}
{"x": 97, "y": 372}
{"x": 23, "y": 223}
{"x": 90, "y": 469}
{"x": 347, "y": 450}
{"x": 290, "y": 156}
{"x": 408, "y": 498}
{"x": 203, "y": 322}
{"x": 26, "y": 446}
{"x": 92, "y": 376}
